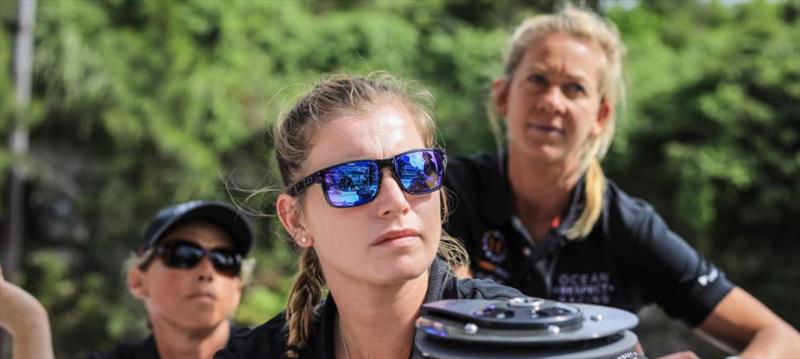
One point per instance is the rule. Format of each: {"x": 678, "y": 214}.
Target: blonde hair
{"x": 592, "y": 27}
{"x": 336, "y": 97}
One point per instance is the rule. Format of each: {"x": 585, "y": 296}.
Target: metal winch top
{"x": 524, "y": 327}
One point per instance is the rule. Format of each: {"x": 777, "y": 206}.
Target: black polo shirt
{"x": 630, "y": 258}
{"x": 269, "y": 339}
{"x": 145, "y": 349}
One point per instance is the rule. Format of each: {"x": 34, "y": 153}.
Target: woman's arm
{"x": 744, "y": 323}
{"x": 26, "y": 321}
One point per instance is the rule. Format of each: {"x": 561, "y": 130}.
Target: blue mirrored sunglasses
{"x": 356, "y": 183}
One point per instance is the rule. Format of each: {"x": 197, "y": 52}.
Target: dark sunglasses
{"x": 356, "y": 183}
{"x": 184, "y": 255}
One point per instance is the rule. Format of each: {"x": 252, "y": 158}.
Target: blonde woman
{"x": 349, "y": 154}
{"x": 540, "y": 216}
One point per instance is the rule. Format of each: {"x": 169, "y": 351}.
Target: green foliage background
{"x": 140, "y": 104}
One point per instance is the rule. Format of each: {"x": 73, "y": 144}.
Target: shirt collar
{"x": 497, "y": 199}
{"x": 325, "y": 346}
{"x": 574, "y": 208}
{"x": 438, "y": 275}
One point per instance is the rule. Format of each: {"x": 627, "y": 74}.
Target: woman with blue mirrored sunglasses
{"x": 376, "y": 245}
{"x": 356, "y": 183}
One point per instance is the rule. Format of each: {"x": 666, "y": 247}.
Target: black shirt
{"x": 628, "y": 260}
{"x": 269, "y": 339}
{"x": 145, "y": 349}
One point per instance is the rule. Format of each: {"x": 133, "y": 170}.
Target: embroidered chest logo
{"x": 593, "y": 288}
{"x": 494, "y": 246}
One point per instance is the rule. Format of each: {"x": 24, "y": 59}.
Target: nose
{"x": 552, "y": 100}
{"x": 391, "y": 198}
{"x": 205, "y": 270}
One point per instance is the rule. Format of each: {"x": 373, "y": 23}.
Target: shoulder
{"x": 443, "y": 284}
{"x": 658, "y": 260}
{"x": 471, "y": 288}
{"x": 267, "y": 340}
{"x": 630, "y": 217}
{"x": 144, "y": 349}
{"x": 237, "y": 330}
{"x": 481, "y": 194}
{"x": 630, "y": 208}
{"x": 465, "y": 168}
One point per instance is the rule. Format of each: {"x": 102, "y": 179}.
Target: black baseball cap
{"x": 217, "y": 212}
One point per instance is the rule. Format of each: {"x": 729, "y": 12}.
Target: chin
{"x": 545, "y": 153}
{"x": 203, "y": 323}
{"x": 406, "y": 268}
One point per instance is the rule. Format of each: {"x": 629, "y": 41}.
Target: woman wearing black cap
{"x": 189, "y": 275}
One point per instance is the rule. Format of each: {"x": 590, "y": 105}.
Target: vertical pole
{"x": 18, "y": 139}
{"x": 18, "y": 143}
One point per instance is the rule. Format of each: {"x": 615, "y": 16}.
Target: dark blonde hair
{"x": 589, "y": 26}
{"x": 294, "y": 135}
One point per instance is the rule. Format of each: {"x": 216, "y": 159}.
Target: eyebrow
{"x": 183, "y": 239}
{"x": 574, "y": 76}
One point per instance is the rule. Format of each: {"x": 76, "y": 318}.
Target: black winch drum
{"x": 524, "y": 327}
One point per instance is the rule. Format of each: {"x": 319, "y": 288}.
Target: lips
{"x": 395, "y": 236}
{"x": 545, "y": 128}
{"x": 203, "y": 294}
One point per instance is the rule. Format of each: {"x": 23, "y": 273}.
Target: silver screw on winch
{"x": 552, "y": 329}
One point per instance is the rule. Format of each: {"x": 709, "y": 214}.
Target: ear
{"x": 604, "y": 114}
{"x": 292, "y": 220}
{"x": 136, "y": 283}
{"x": 500, "y": 95}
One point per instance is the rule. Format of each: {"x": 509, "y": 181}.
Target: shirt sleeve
{"x": 672, "y": 273}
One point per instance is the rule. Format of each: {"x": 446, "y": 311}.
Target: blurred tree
{"x": 146, "y": 103}
{"x": 711, "y": 133}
